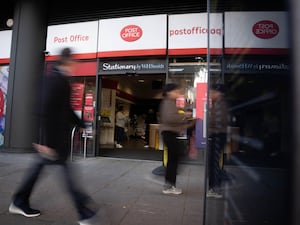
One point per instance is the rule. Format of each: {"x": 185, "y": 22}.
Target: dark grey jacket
{"x": 57, "y": 117}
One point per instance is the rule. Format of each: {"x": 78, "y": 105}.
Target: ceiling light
{"x": 176, "y": 69}
{"x": 9, "y": 23}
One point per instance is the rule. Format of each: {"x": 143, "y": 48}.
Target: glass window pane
{"x": 248, "y": 118}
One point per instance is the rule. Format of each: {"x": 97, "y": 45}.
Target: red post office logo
{"x": 131, "y": 33}
{"x": 265, "y": 29}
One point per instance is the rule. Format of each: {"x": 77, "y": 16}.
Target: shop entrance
{"x": 137, "y": 94}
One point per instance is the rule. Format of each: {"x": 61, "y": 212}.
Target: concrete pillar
{"x": 26, "y": 66}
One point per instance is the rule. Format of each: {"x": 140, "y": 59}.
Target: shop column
{"x": 25, "y": 70}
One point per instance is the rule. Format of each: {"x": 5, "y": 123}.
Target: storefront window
{"x": 4, "y": 72}
{"x": 247, "y": 163}
{"x": 83, "y": 101}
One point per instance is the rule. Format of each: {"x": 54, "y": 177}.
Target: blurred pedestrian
{"x": 172, "y": 123}
{"x": 217, "y": 130}
{"x": 56, "y": 120}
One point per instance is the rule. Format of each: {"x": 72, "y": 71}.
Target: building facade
{"x": 244, "y": 46}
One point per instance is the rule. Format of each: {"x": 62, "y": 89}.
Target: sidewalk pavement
{"x": 127, "y": 191}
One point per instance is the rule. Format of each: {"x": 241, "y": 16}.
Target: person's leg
{"x": 20, "y": 202}
{"x": 123, "y": 135}
{"x": 170, "y": 140}
{"x": 220, "y": 141}
{"x": 119, "y": 133}
{"x": 210, "y": 162}
{"x": 172, "y": 161}
{"x": 24, "y": 191}
{"x": 147, "y": 131}
{"x": 120, "y": 136}
{"x": 79, "y": 197}
{"x": 214, "y": 179}
{"x": 216, "y": 144}
{"x": 115, "y": 135}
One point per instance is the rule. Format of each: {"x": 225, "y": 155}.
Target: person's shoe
{"x": 146, "y": 146}
{"x": 119, "y": 146}
{"x": 88, "y": 221}
{"x": 23, "y": 210}
{"x": 88, "y": 217}
{"x": 172, "y": 190}
{"x": 213, "y": 194}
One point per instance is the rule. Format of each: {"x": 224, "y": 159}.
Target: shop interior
{"x": 137, "y": 94}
